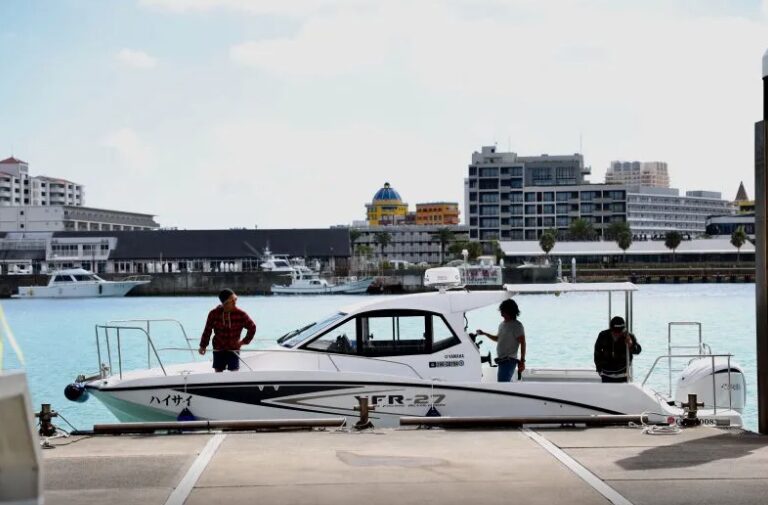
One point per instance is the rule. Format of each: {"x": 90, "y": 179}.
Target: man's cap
{"x": 618, "y": 323}
{"x": 225, "y": 294}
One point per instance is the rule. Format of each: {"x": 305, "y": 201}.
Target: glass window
{"x": 293, "y": 338}
{"x": 392, "y": 335}
{"x": 473, "y": 196}
{"x": 549, "y": 209}
{"x": 489, "y": 197}
{"x": 489, "y": 172}
{"x": 517, "y": 171}
{"x": 442, "y": 336}
{"x": 530, "y": 197}
{"x": 489, "y": 184}
{"x": 530, "y": 209}
{"x": 341, "y": 340}
{"x": 516, "y": 183}
{"x": 516, "y": 197}
{"x": 62, "y": 278}
{"x": 549, "y": 196}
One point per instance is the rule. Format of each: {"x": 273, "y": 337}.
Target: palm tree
{"x": 624, "y": 240}
{"x": 617, "y": 229}
{"x": 581, "y": 229}
{"x": 444, "y": 236}
{"x": 738, "y": 237}
{"x": 547, "y": 241}
{"x": 382, "y": 238}
{"x": 672, "y": 240}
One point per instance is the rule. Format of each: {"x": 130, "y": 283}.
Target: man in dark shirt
{"x": 226, "y": 322}
{"x": 614, "y": 349}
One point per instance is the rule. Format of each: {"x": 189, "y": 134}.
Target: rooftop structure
{"x": 386, "y": 208}
{"x": 646, "y": 173}
{"x": 17, "y": 187}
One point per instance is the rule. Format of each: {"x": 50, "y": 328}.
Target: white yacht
{"x": 307, "y": 282}
{"x": 275, "y": 263}
{"x": 408, "y": 355}
{"x": 80, "y": 283}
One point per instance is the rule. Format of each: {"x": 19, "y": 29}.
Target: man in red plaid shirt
{"x": 226, "y": 322}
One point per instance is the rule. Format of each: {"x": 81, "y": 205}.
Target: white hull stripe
{"x": 593, "y": 480}
{"x": 182, "y": 491}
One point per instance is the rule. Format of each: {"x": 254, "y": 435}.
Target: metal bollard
{"x": 46, "y": 415}
{"x": 364, "y": 409}
{"x": 691, "y": 409}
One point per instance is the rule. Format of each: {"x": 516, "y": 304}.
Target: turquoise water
{"x": 57, "y": 336}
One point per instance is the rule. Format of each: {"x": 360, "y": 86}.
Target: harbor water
{"x": 58, "y": 337}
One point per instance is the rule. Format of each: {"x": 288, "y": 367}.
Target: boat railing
{"x": 115, "y": 330}
{"x": 699, "y": 356}
{"x": 113, "y": 333}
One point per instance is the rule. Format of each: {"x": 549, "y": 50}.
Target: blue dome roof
{"x": 386, "y": 193}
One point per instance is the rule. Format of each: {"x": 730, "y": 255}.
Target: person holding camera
{"x": 509, "y": 339}
{"x": 614, "y": 349}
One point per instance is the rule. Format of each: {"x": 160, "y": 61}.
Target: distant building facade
{"x": 726, "y": 225}
{"x": 411, "y": 243}
{"x": 645, "y": 173}
{"x": 167, "y": 251}
{"x": 511, "y": 197}
{"x": 49, "y": 218}
{"x": 17, "y": 187}
{"x": 436, "y": 213}
{"x": 655, "y": 211}
{"x": 742, "y": 202}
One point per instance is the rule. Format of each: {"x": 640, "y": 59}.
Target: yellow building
{"x": 437, "y": 213}
{"x": 386, "y": 208}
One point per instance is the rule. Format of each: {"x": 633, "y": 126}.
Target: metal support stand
{"x": 691, "y": 410}
{"x": 363, "y": 423}
{"x": 46, "y": 415}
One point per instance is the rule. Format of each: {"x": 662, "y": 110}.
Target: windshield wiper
{"x": 293, "y": 333}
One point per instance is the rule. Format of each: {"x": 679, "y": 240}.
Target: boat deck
{"x": 409, "y": 466}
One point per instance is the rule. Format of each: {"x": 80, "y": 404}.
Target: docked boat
{"x": 409, "y": 355}
{"x": 80, "y": 283}
{"x": 306, "y": 282}
{"x": 275, "y": 263}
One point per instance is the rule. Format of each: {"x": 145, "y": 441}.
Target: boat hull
{"x": 80, "y": 290}
{"x": 350, "y": 288}
{"x": 262, "y": 395}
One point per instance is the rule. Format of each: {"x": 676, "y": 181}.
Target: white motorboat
{"x": 275, "y": 263}
{"x": 80, "y": 283}
{"x": 306, "y": 282}
{"x": 408, "y": 355}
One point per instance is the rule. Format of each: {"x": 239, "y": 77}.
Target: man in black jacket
{"x": 614, "y": 349}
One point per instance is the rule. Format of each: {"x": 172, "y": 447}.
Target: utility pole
{"x": 761, "y": 278}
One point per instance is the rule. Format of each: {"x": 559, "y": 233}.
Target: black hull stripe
{"x": 366, "y": 384}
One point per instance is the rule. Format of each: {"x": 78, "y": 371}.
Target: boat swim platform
{"x": 405, "y": 466}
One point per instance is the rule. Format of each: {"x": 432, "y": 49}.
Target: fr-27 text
{"x": 402, "y": 400}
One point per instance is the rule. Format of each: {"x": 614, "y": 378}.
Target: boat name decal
{"x": 449, "y": 363}
{"x": 437, "y": 400}
{"x": 172, "y": 400}
{"x": 453, "y": 356}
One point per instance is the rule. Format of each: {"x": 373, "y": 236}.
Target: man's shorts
{"x": 226, "y": 360}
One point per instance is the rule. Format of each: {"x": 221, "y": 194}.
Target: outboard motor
{"x": 697, "y": 378}
{"x": 76, "y": 392}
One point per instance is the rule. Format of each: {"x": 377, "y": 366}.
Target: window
{"x": 489, "y": 172}
{"x": 517, "y": 171}
{"x": 516, "y": 183}
{"x": 549, "y": 196}
{"x": 489, "y": 184}
{"x": 392, "y": 335}
{"x": 516, "y": 210}
{"x": 549, "y": 209}
{"x": 489, "y": 197}
{"x": 530, "y": 197}
{"x": 516, "y": 197}
{"x": 62, "y": 278}
{"x": 473, "y": 196}
{"x": 530, "y": 209}
{"x": 489, "y": 210}
{"x": 340, "y": 340}
{"x": 442, "y": 336}
{"x": 489, "y": 222}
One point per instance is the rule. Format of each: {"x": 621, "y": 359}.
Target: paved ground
{"x": 699, "y": 466}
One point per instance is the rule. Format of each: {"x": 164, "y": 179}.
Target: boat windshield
{"x": 295, "y": 337}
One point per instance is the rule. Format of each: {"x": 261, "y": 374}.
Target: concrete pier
{"x": 410, "y": 466}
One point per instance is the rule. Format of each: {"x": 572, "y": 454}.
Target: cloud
{"x": 130, "y": 150}
{"x": 255, "y": 7}
{"x": 136, "y": 59}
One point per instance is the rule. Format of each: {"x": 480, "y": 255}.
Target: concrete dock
{"x": 412, "y": 466}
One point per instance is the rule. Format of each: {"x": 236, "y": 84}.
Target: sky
{"x": 292, "y": 114}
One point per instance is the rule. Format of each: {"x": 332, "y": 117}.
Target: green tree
{"x": 474, "y": 249}
{"x": 547, "y": 241}
{"x": 445, "y": 236}
{"x": 738, "y": 237}
{"x": 616, "y": 229}
{"x": 498, "y": 252}
{"x": 624, "y": 240}
{"x": 364, "y": 250}
{"x": 382, "y": 239}
{"x": 672, "y": 240}
{"x": 581, "y": 229}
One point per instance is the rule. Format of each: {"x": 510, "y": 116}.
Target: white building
{"x": 408, "y": 243}
{"x": 47, "y": 218}
{"x": 18, "y": 188}
{"x": 646, "y": 173}
{"x": 655, "y": 211}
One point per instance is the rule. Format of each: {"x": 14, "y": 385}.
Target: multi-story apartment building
{"x": 645, "y": 173}
{"x": 437, "y": 213}
{"x": 655, "y": 211}
{"x": 45, "y": 218}
{"x": 411, "y": 243}
{"x": 18, "y": 188}
{"x": 511, "y": 197}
